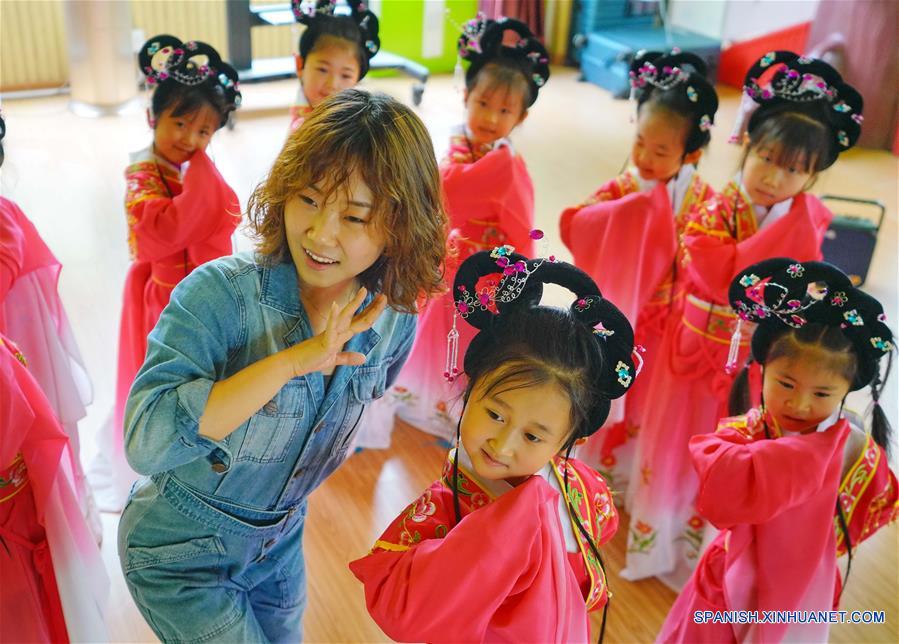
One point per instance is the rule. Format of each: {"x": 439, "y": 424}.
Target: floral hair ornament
{"x": 518, "y": 286}
{"x": 164, "y": 58}
{"x": 782, "y": 294}
{"x": 316, "y": 14}
{"x": 483, "y": 41}
{"x": 781, "y": 77}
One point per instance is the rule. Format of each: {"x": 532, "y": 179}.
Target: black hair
{"x": 2, "y": 135}
{"x": 184, "y": 100}
{"x": 186, "y": 76}
{"x": 806, "y": 107}
{"x": 525, "y": 66}
{"x": 677, "y": 83}
{"x": 360, "y": 29}
{"x": 813, "y": 306}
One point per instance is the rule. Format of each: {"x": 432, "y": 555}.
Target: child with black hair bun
{"x": 334, "y": 51}
{"x": 181, "y": 213}
{"x": 791, "y": 484}
{"x": 805, "y": 116}
{"x": 629, "y": 233}
{"x": 504, "y": 546}
{"x": 489, "y": 198}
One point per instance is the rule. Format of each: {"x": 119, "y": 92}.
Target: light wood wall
{"x": 33, "y": 46}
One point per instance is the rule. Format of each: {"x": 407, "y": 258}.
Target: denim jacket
{"x": 226, "y": 315}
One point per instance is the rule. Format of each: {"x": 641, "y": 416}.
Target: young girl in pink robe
{"x": 799, "y": 129}
{"x": 334, "y": 52}
{"x": 791, "y": 484}
{"x": 641, "y": 215}
{"x": 32, "y": 313}
{"x": 504, "y": 546}
{"x": 181, "y": 213}
{"x": 489, "y": 198}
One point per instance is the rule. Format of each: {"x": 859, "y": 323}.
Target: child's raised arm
{"x": 162, "y": 225}
{"x": 745, "y": 481}
{"x": 461, "y": 583}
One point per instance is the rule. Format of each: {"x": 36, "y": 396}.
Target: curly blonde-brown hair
{"x": 388, "y": 145}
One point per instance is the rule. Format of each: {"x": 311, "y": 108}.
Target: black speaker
{"x": 850, "y": 240}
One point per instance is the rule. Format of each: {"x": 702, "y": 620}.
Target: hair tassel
{"x": 733, "y": 351}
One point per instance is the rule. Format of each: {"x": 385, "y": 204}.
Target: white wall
{"x": 736, "y": 20}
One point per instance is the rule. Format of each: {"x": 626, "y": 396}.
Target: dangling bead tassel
{"x": 451, "y": 367}
{"x": 458, "y": 76}
{"x": 638, "y": 359}
{"x": 731, "y": 366}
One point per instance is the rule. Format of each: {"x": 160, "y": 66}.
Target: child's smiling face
{"x": 177, "y": 138}
{"x": 512, "y": 432}
{"x": 658, "y": 149}
{"x": 332, "y": 66}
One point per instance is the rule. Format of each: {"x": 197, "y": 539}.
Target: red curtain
{"x": 530, "y": 12}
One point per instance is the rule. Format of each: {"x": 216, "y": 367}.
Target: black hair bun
{"x": 683, "y": 74}
{"x": 319, "y": 17}
{"x": 165, "y": 59}
{"x": 781, "y": 293}
{"x": 784, "y": 78}
{"x": 521, "y": 286}
{"x": 481, "y": 43}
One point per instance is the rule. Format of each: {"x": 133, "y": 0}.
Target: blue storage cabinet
{"x": 593, "y": 15}
{"x": 606, "y": 58}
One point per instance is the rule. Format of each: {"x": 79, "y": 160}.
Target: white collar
{"x": 764, "y": 216}
{"x": 677, "y": 185}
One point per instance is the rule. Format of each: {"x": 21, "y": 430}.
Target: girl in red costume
{"x": 805, "y": 117}
{"x": 181, "y": 212}
{"x": 791, "y": 484}
{"x": 641, "y": 215}
{"x": 489, "y": 198}
{"x": 504, "y": 546}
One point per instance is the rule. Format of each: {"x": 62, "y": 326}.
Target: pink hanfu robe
{"x": 688, "y": 388}
{"x": 175, "y": 223}
{"x": 505, "y": 572}
{"x": 32, "y": 314}
{"x": 629, "y": 238}
{"x": 490, "y": 202}
{"x": 774, "y": 501}
{"x": 52, "y": 581}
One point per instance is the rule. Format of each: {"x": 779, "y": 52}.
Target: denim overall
{"x": 211, "y": 539}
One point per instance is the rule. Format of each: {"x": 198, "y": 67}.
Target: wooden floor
{"x": 66, "y": 174}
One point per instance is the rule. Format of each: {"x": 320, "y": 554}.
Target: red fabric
{"x": 501, "y": 574}
{"x": 30, "y": 608}
{"x": 688, "y": 384}
{"x": 21, "y": 248}
{"x": 716, "y": 259}
{"x": 490, "y": 202}
{"x": 169, "y": 237}
{"x": 774, "y": 501}
{"x": 627, "y": 246}
{"x": 740, "y": 56}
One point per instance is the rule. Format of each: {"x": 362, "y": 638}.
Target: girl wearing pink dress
{"x": 805, "y": 117}
{"x": 181, "y": 213}
{"x": 489, "y": 198}
{"x": 641, "y": 215}
{"x": 504, "y": 545}
{"x": 791, "y": 484}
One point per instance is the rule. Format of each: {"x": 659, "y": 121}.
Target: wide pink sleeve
{"x": 716, "y": 256}
{"x": 496, "y": 187}
{"x": 449, "y": 589}
{"x": 161, "y": 225}
{"x": 627, "y": 246}
{"x": 12, "y": 246}
{"x": 746, "y": 481}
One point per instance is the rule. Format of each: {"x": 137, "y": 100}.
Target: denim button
{"x": 219, "y": 468}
